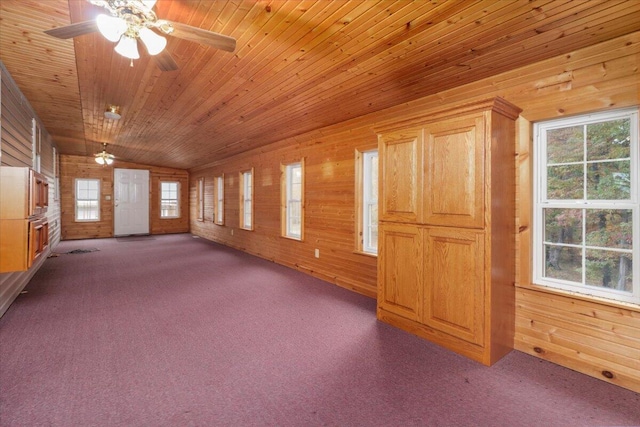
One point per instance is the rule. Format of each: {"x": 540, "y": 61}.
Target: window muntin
{"x": 87, "y": 194}
{"x": 218, "y": 215}
{"x": 200, "y": 199}
{"x": 586, "y": 205}
{"x": 169, "y": 200}
{"x": 292, "y": 208}
{"x": 246, "y": 200}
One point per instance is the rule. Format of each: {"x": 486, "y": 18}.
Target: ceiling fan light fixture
{"x": 154, "y": 43}
{"x": 111, "y": 27}
{"x": 128, "y": 47}
{"x": 104, "y": 158}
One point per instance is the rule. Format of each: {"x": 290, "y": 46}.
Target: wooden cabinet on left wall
{"x": 24, "y": 229}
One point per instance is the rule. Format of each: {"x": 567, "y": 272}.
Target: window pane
{"x": 373, "y": 227}
{"x": 609, "y": 228}
{"x": 608, "y": 269}
{"x": 609, "y": 140}
{"x": 609, "y": 180}
{"x": 565, "y": 182}
{"x": 563, "y": 263}
{"x": 565, "y": 145}
{"x": 373, "y": 184}
{"x": 294, "y": 215}
{"x": 563, "y": 226}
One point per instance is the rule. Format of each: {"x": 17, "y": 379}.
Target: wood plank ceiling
{"x": 299, "y": 65}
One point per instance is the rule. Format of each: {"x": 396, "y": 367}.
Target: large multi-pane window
{"x": 292, "y": 188}
{"x": 218, "y": 214}
{"x": 367, "y": 201}
{"x": 586, "y": 205}
{"x": 246, "y": 200}
{"x": 169, "y": 199}
{"x": 87, "y": 194}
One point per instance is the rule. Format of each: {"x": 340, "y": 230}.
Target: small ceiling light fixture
{"x": 112, "y": 112}
{"x": 103, "y": 158}
{"x": 131, "y": 20}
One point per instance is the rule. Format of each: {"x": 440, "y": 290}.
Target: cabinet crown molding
{"x": 496, "y": 104}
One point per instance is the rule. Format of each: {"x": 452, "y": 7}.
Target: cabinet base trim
{"x": 457, "y": 345}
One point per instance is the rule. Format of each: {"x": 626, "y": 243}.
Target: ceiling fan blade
{"x": 165, "y": 61}
{"x": 194, "y": 34}
{"x": 74, "y": 30}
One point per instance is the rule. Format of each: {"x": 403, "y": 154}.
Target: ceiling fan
{"x": 103, "y": 158}
{"x": 130, "y": 20}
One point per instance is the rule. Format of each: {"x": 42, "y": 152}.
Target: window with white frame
{"x": 292, "y": 188}
{"x": 218, "y": 214}
{"x": 36, "y": 135}
{"x": 87, "y": 196}
{"x": 370, "y": 202}
{"x": 169, "y": 199}
{"x": 586, "y": 212}
{"x": 200, "y": 199}
{"x": 56, "y": 174}
{"x": 246, "y": 200}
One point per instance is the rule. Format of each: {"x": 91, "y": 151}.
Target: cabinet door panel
{"x": 400, "y": 270}
{"x": 454, "y": 172}
{"x": 401, "y": 175}
{"x": 454, "y": 277}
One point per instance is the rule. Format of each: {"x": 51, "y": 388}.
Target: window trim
{"x": 242, "y": 190}
{"x": 362, "y": 172}
{"x": 177, "y": 200}
{"x": 218, "y": 199}
{"x": 540, "y": 203}
{"x": 75, "y": 199}
{"x": 285, "y": 200}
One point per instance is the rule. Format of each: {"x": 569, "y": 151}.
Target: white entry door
{"x": 131, "y": 204}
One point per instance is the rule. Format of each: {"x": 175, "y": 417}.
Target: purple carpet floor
{"x": 177, "y": 331}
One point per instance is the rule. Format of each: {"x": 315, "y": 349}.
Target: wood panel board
{"x": 298, "y": 66}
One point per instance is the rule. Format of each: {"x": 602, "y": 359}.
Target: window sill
{"x": 295, "y": 239}
{"x": 582, "y": 297}
{"x": 369, "y": 254}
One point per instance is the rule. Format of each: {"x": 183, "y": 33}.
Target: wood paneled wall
{"x": 72, "y": 167}
{"x": 329, "y": 209}
{"x": 16, "y": 115}
{"x": 601, "y": 339}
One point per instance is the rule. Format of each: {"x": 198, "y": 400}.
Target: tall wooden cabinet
{"x": 24, "y": 229}
{"x": 446, "y": 256}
